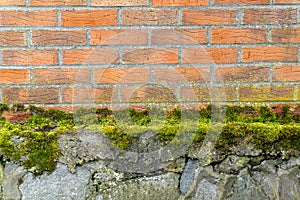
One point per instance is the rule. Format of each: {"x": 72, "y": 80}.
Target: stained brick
{"x": 12, "y": 3}
{"x": 58, "y": 2}
{"x": 286, "y": 73}
{"x": 209, "y": 17}
{"x": 258, "y": 2}
{"x": 180, "y": 2}
{"x": 14, "y": 76}
{"x": 270, "y": 16}
{"x": 12, "y": 38}
{"x": 286, "y": 2}
{"x": 285, "y": 35}
{"x": 119, "y": 2}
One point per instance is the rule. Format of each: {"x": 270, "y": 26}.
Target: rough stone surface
{"x": 61, "y": 184}
{"x": 188, "y": 175}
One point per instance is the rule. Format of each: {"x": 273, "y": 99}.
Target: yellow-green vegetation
{"x": 34, "y": 143}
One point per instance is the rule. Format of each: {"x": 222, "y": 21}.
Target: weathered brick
{"x": 121, "y": 75}
{"x": 258, "y": 2}
{"x": 270, "y": 54}
{"x": 118, "y": 37}
{"x": 119, "y": 2}
{"x": 53, "y": 37}
{"x": 90, "y": 56}
{"x": 28, "y": 18}
{"x": 29, "y": 57}
{"x": 178, "y": 36}
{"x": 58, "y": 2}
{"x": 180, "y": 2}
{"x": 89, "y": 18}
{"x": 207, "y": 93}
{"x": 209, "y": 55}
{"x": 150, "y": 56}
{"x": 286, "y": 73}
{"x": 270, "y": 16}
{"x": 266, "y": 93}
{"x": 148, "y": 93}
{"x": 238, "y": 35}
{"x": 88, "y": 95}
{"x": 14, "y": 76}
{"x": 12, "y": 38}
{"x": 209, "y": 17}
{"x": 285, "y": 35}
{"x": 242, "y": 74}
{"x": 149, "y": 17}
{"x": 286, "y": 2}
{"x": 12, "y": 3}
{"x": 182, "y": 74}
{"x": 61, "y": 76}
{"x": 12, "y": 95}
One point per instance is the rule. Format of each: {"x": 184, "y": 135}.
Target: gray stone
{"x": 207, "y": 189}
{"x": 12, "y": 178}
{"x": 289, "y": 187}
{"x": 59, "y": 185}
{"x": 1, "y": 180}
{"x": 188, "y": 175}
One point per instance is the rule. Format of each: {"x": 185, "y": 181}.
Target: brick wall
{"x": 83, "y": 52}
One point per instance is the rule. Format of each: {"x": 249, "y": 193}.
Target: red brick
{"x": 180, "y": 2}
{"x": 178, "y": 36}
{"x": 121, "y": 75}
{"x": 270, "y": 16}
{"x": 209, "y": 17}
{"x": 209, "y": 55}
{"x": 241, "y": 2}
{"x": 29, "y": 57}
{"x": 90, "y": 56}
{"x": 118, "y": 37}
{"x": 182, "y": 74}
{"x": 14, "y": 95}
{"x": 53, "y": 37}
{"x": 150, "y": 56}
{"x": 58, "y": 2}
{"x": 270, "y": 54}
{"x": 238, "y": 35}
{"x": 14, "y": 76}
{"x": 286, "y": 2}
{"x": 285, "y": 35}
{"x": 89, "y": 18}
{"x": 286, "y": 73}
{"x": 12, "y": 3}
{"x": 149, "y": 17}
{"x": 119, "y": 2}
{"x": 88, "y": 95}
{"x": 28, "y": 18}
{"x": 266, "y": 93}
{"x": 12, "y": 38}
{"x": 61, "y": 76}
{"x": 242, "y": 74}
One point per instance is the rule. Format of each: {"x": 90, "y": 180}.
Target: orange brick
{"x": 270, "y": 16}
{"x": 29, "y": 57}
{"x": 61, "y": 76}
{"x": 53, "y": 37}
{"x": 180, "y": 2}
{"x": 89, "y": 18}
{"x": 121, "y": 75}
{"x": 28, "y": 18}
{"x": 270, "y": 54}
{"x": 242, "y": 74}
{"x": 148, "y": 93}
{"x": 286, "y": 2}
{"x": 209, "y": 17}
{"x": 14, "y": 76}
{"x": 207, "y": 93}
{"x": 182, "y": 74}
{"x": 118, "y": 37}
{"x": 286, "y": 35}
{"x": 88, "y": 95}
{"x": 150, "y": 56}
{"x": 12, "y": 3}
{"x": 12, "y": 38}
{"x": 286, "y": 73}
{"x": 58, "y": 2}
{"x": 178, "y": 36}
{"x": 90, "y": 56}
{"x": 266, "y": 93}
{"x": 119, "y": 2}
{"x": 241, "y": 2}
{"x": 149, "y": 17}
{"x": 209, "y": 55}
{"x": 14, "y": 95}
{"x": 238, "y": 35}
